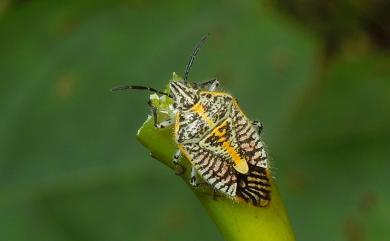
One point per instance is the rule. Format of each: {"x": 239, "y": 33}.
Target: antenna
{"x": 198, "y": 46}
{"x": 137, "y": 87}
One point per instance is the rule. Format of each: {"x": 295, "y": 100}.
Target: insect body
{"x": 222, "y": 144}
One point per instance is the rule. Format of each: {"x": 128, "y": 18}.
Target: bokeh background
{"x": 316, "y": 73}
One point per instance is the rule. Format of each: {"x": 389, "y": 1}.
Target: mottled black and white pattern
{"x": 221, "y": 143}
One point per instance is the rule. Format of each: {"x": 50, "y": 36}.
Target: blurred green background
{"x": 316, "y": 73}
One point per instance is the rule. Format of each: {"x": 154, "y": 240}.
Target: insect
{"x": 212, "y": 132}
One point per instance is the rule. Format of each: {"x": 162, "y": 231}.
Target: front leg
{"x": 258, "y": 126}
{"x": 211, "y": 85}
{"x": 162, "y": 124}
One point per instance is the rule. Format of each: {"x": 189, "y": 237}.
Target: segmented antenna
{"x": 194, "y": 53}
{"x": 137, "y": 87}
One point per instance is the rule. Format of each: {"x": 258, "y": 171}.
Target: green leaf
{"x": 72, "y": 169}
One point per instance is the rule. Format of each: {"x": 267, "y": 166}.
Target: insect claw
{"x": 215, "y": 195}
{"x": 198, "y": 184}
{"x": 193, "y": 182}
{"x": 264, "y": 203}
{"x": 179, "y": 169}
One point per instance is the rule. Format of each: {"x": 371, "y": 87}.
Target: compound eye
{"x": 174, "y": 105}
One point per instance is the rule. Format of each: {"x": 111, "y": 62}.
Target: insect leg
{"x": 258, "y": 126}
{"x": 176, "y": 160}
{"x": 194, "y": 178}
{"x": 211, "y": 85}
{"x": 193, "y": 181}
{"x": 215, "y": 195}
{"x": 153, "y": 109}
{"x": 162, "y": 124}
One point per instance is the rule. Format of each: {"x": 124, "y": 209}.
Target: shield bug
{"x": 223, "y": 146}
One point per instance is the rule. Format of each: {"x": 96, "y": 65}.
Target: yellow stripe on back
{"x": 240, "y": 163}
{"x": 198, "y": 108}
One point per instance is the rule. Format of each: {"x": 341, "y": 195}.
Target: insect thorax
{"x": 184, "y": 94}
{"x": 199, "y": 120}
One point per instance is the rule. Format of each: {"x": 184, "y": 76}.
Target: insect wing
{"x": 254, "y": 186}
{"x": 222, "y": 140}
{"x": 214, "y": 168}
{"x": 248, "y": 139}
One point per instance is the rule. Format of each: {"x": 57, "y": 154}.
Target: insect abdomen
{"x": 254, "y": 187}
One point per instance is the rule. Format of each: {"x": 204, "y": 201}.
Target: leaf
{"x": 70, "y": 165}
{"x": 335, "y": 152}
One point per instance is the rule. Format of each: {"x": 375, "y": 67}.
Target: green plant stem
{"x": 236, "y": 221}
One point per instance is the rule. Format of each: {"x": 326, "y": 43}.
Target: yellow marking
{"x": 240, "y": 163}
{"x": 176, "y": 131}
{"x": 198, "y": 108}
{"x": 215, "y": 93}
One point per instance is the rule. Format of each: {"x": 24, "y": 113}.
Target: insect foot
{"x": 258, "y": 125}
{"x": 179, "y": 169}
{"x": 193, "y": 179}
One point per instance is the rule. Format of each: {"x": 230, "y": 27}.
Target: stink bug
{"x": 212, "y": 132}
